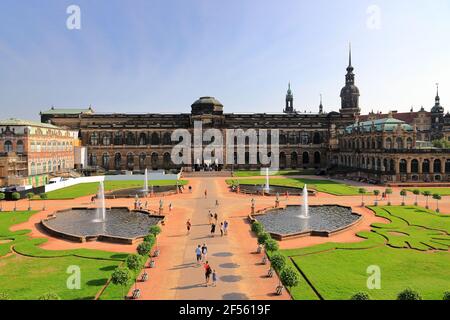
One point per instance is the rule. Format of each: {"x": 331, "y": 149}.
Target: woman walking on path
{"x": 208, "y": 272}
{"x": 213, "y": 229}
{"x": 225, "y": 227}
{"x": 221, "y": 229}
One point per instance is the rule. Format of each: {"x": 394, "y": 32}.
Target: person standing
{"x": 221, "y": 229}
{"x": 210, "y": 217}
{"x": 217, "y": 203}
{"x": 225, "y": 227}
{"x": 170, "y": 207}
{"x": 216, "y": 217}
{"x": 206, "y": 194}
{"x": 188, "y": 227}
{"x": 198, "y": 253}
{"x": 214, "y": 278}
{"x": 208, "y": 272}
{"x": 213, "y": 229}
{"x": 204, "y": 252}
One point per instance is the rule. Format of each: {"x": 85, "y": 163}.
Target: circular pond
{"x": 323, "y": 220}
{"x": 82, "y": 224}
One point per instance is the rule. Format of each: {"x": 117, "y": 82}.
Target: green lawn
{"x": 28, "y": 271}
{"x": 326, "y": 186}
{"x": 257, "y": 173}
{"x": 86, "y": 189}
{"x": 441, "y": 191}
{"x": 411, "y": 251}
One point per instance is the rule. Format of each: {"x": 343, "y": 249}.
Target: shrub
{"x": 144, "y": 248}
{"x": 49, "y": 296}
{"x": 409, "y": 294}
{"x": 257, "y": 227}
{"x": 278, "y": 261}
{"x": 289, "y": 277}
{"x": 43, "y": 196}
{"x": 15, "y": 196}
{"x": 360, "y": 296}
{"x": 263, "y": 237}
{"x": 134, "y": 262}
{"x": 446, "y": 296}
{"x": 121, "y": 277}
{"x": 271, "y": 245}
{"x": 150, "y": 239}
{"x": 155, "y": 230}
{"x": 30, "y": 195}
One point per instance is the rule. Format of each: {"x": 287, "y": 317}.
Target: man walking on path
{"x": 210, "y": 217}
{"x": 225, "y": 227}
{"x": 208, "y": 272}
{"x": 213, "y": 229}
{"x": 221, "y": 229}
{"x": 206, "y": 194}
{"x": 216, "y": 217}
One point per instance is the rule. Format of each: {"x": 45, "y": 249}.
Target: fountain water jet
{"x": 267, "y": 187}
{"x": 101, "y": 211}
{"x": 146, "y": 181}
{"x": 305, "y": 207}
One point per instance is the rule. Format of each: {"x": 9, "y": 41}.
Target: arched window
{"x": 33, "y": 169}
{"x": 105, "y": 161}
{"x": 317, "y": 138}
{"x": 305, "y": 158}
{"x": 155, "y": 160}
{"x": 305, "y": 138}
{"x": 399, "y": 143}
{"x": 167, "y": 160}
{"x": 117, "y": 161}
{"x": 142, "y": 139}
{"x": 142, "y": 158}
{"x": 49, "y": 164}
{"x": 131, "y": 139}
{"x": 294, "y": 160}
{"x": 94, "y": 139}
{"x": 317, "y": 157}
{"x": 118, "y": 138}
{"x": 8, "y": 146}
{"x": 388, "y": 143}
{"x": 437, "y": 166}
{"x": 426, "y": 166}
{"x": 107, "y": 139}
{"x": 409, "y": 143}
{"x": 167, "y": 141}
{"x": 414, "y": 166}
{"x": 283, "y": 139}
{"x": 155, "y": 139}
{"x": 130, "y": 161}
{"x": 447, "y": 166}
{"x": 403, "y": 166}
{"x": 282, "y": 160}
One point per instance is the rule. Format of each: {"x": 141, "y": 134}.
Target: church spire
{"x": 320, "y": 105}
{"x": 438, "y": 99}
{"x": 289, "y": 100}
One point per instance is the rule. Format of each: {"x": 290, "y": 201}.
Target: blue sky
{"x": 160, "y": 56}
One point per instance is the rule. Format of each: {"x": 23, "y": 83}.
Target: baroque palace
{"x": 381, "y": 148}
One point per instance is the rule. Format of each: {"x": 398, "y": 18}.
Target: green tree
{"x": 362, "y": 192}
{"x": 437, "y": 197}
{"x": 2, "y": 197}
{"x": 289, "y": 277}
{"x": 403, "y": 193}
{"x": 263, "y": 237}
{"x": 278, "y": 261}
{"x": 271, "y": 245}
{"x": 388, "y": 192}
{"x": 360, "y": 296}
{"x": 446, "y": 296}
{"x": 150, "y": 238}
{"x": 155, "y": 230}
{"x": 144, "y": 248}
{"x": 30, "y": 196}
{"x": 257, "y": 227}
{"x": 121, "y": 277}
{"x": 376, "y": 193}
{"x": 409, "y": 294}
{"x": 49, "y": 296}
{"x": 416, "y": 192}
{"x": 135, "y": 263}
{"x": 441, "y": 143}
{"x": 427, "y": 194}
{"x": 15, "y": 196}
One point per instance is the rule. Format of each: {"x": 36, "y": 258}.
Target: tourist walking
{"x": 206, "y": 193}
{"x": 221, "y": 229}
{"x": 170, "y": 207}
{"x": 188, "y": 227}
{"x": 213, "y": 229}
{"x": 216, "y": 217}
{"x": 225, "y": 227}
{"x": 214, "y": 278}
{"x": 198, "y": 253}
{"x": 210, "y": 217}
{"x": 217, "y": 203}
{"x": 208, "y": 272}
{"x": 190, "y": 189}
{"x": 204, "y": 252}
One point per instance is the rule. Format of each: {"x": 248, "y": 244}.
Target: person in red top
{"x": 208, "y": 272}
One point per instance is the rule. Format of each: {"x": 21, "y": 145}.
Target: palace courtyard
{"x": 409, "y": 243}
